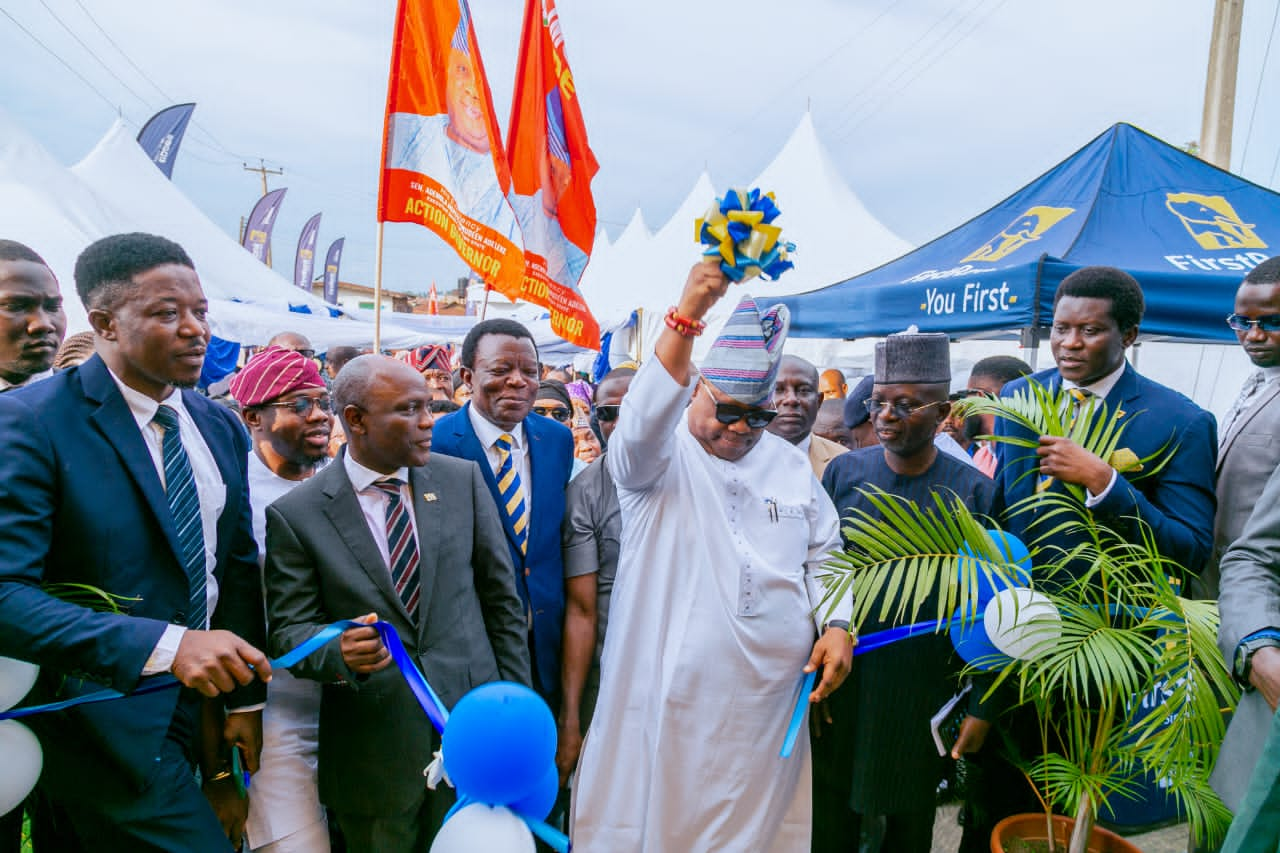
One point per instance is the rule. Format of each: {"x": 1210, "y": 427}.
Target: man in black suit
{"x": 117, "y": 477}
{"x": 394, "y": 532}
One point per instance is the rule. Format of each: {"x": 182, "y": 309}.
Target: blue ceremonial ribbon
{"x": 797, "y": 715}
{"x": 427, "y": 698}
{"x": 553, "y": 837}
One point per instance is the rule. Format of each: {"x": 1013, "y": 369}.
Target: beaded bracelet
{"x": 683, "y": 325}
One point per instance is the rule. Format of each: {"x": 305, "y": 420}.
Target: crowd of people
{"x": 646, "y": 552}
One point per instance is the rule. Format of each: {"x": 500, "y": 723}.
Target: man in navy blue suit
{"x": 526, "y": 462}
{"x": 1096, "y": 314}
{"x": 116, "y": 476}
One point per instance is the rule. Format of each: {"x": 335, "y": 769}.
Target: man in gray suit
{"x": 411, "y": 538}
{"x": 1249, "y": 638}
{"x": 1248, "y": 450}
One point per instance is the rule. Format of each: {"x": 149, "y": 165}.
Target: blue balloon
{"x": 1015, "y": 552}
{"x": 539, "y": 802}
{"x": 974, "y": 646}
{"x": 498, "y": 743}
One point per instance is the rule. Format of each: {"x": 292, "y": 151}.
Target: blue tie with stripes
{"x": 184, "y": 504}
{"x": 512, "y": 491}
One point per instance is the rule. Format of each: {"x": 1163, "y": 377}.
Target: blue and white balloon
{"x": 479, "y": 828}
{"x": 1022, "y": 623}
{"x": 20, "y": 768}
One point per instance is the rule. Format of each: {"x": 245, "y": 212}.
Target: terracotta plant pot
{"x": 1031, "y": 827}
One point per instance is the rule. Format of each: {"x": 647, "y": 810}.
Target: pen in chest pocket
{"x": 772, "y": 505}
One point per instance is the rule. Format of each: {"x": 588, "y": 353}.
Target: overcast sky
{"x": 933, "y": 109}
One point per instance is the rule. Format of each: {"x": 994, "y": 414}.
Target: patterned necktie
{"x": 184, "y": 505}
{"x": 402, "y": 547}
{"x": 1251, "y": 386}
{"x": 512, "y": 491}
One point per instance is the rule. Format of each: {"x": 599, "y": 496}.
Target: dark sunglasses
{"x": 729, "y": 414}
{"x": 302, "y": 405}
{"x": 607, "y": 414}
{"x": 1241, "y": 323}
{"x": 956, "y": 396}
{"x": 559, "y": 413}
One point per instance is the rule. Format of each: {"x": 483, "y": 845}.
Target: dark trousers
{"x": 910, "y": 832}
{"x": 171, "y": 813}
{"x": 833, "y": 820}
{"x": 410, "y": 831}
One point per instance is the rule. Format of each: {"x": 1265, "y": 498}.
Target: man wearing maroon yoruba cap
{"x": 433, "y": 363}
{"x": 287, "y": 409}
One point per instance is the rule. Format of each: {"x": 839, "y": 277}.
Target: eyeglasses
{"x": 1241, "y": 323}
{"x": 901, "y": 411}
{"x": 302, "y": 405}
{"x": 607, "y": 414}
{"x": 559, "y": 413}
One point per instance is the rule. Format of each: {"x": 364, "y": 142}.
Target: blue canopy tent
{"x": 1187, "y": 230}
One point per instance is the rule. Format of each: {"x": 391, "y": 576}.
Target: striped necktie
{"x": 512, "y": 491}
{"x": 184, "y": 505}
{"x": 402, "y": 546}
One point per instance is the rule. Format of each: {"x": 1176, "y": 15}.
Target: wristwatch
{"x": 1269, "y": 637}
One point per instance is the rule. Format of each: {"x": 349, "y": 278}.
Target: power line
{"x": 932, "y": 61}
{"x": 214, "y": 142}
{"x": 62, "y": 61}
{"x": 1257, "y": 95}
{"x": 91, "y": 52}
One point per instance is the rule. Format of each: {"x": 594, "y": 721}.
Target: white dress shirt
{"x": 373, "y": 502}
{"x": 488, "y": 433}
{"x": 1100, "y": 389}
{"x": 210, "y": 488}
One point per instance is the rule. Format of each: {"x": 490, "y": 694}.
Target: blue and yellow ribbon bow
{"x": 738, "y": 228}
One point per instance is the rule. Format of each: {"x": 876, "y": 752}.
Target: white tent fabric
{"x": 836, "y": 236}
{"x": 58, "y": 212}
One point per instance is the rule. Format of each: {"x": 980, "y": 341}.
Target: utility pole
{"x": 1220, "y": 83}
{"x": 262, "y": 169}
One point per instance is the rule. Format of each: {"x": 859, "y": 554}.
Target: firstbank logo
{"x": 1213, "y": 222}
{"x": 1027, "y": 228}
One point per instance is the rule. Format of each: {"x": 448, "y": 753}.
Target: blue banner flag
{"x": 304, "y": 263}
{"x": 162, "y": 134}
{"x": 331, "y": 263}
{"x": 257, "y": 232}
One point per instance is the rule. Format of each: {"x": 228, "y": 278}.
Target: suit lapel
{"x": 224, "y": 455}
{"x": 470, "y": 448}
{"x": 115, "y": 421}
{"x": 1265, "y": 397}
{"x": 426, "y": 516}
{"x": 346, "y": 515}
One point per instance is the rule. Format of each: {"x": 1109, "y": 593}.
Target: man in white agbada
{"x": 717, "y": 597}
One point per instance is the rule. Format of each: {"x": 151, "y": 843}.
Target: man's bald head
{"x": 797, "y": 363}
{"x": 832, "y": 384}
{"x": 293, "y": 341}
{"x": 355, "y": 382}
{"x": 830, "y": 423}
{"x": 385, "y": 409}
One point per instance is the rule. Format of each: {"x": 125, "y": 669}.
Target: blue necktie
{"x": 184, "y": 505}
{"x": 512, "y": 491}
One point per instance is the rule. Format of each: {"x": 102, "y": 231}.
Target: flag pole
{"x": 377, "y": 294}
{"x": 484, "y": 306}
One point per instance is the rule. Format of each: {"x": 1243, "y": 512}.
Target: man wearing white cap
{"x": 716, "y": 605}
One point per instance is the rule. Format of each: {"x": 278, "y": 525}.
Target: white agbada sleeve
{"x": 824, "y": 537}
{"x": 642, "y": 446}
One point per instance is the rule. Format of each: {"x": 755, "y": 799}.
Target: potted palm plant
{"x": 1117, "y": 629}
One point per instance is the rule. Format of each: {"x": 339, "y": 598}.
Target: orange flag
{"x": 551, "y": 170}
{"x": 443, "y": 165}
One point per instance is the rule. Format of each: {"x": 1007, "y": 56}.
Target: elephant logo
{"x": 1213, "y": 222}
{"x": 1027, "y": 228}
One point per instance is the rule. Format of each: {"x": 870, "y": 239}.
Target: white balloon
{"x": 479, "y": 828}
{"x": 1022, "y": 623}
{"x": 17, "y": 677}
{"x": 21, "y": 765}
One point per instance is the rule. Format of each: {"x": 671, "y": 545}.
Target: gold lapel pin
{"x": 429, "y": 497}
